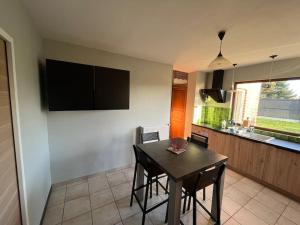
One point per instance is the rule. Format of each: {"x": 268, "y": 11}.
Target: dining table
{"x": 178, "y": 167}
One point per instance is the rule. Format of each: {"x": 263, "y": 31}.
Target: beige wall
{"x": 35, "y": 153}
{"x": 85, "y": 142}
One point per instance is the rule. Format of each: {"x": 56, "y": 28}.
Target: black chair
{"x": 152, "y": 137}
{"x": 198, "y": 139}
{"x": 200, "y": 181}
{"x": 153, "y": 171}
{"x": 201, "y": 141}
{"x": 197, "y": 182}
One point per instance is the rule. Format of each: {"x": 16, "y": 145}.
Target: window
{"x": 272, "y": 106}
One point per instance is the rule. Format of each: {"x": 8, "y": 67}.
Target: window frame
{"x": 257, "y": 81}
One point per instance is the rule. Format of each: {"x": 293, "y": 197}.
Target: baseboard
{"x": 45, "y": 206}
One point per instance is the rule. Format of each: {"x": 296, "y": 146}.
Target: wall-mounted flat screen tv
{"x": 73, "y": 86}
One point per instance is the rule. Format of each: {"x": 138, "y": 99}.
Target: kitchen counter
{"x": 285, "y": 145}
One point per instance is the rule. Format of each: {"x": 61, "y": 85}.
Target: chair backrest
{"x": 141, "y": 158}
{"x": 150, "y": 137}
{"x": 204, "y": 179}
{"x": 210, "y": 176}
{"x": 198, "y": 139}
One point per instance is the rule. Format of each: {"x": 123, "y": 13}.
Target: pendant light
{"x": 220, "y": 61}
{"x": 232, "y": 90}
{"x": 269, "y": 84}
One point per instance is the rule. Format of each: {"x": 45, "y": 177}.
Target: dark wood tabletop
{"x": 194, "y": 160}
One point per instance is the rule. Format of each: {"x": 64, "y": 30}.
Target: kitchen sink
{"x": 250, "y": 135}
{"x": 258, "y": 137}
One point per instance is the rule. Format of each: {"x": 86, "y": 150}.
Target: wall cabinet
{"x": 266, "y": 163}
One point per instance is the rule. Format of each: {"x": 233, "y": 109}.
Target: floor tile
{"x": 252, "y": 184}
{"x": 224, "y": 216}
{"x": 101, "y": 198}
{"x": 116, "y": 179}
{"x": 136, "y": 220}
{"x": 270, "y": 202}
{"x": 206, "y": 204}
{"x": 129, "y": 173}
{"x": 263, "y": 212}
{"x": 246, "y": 189}
{"x": 77, "y": 191}
{"x": 84, "y": 219}
{"x": 245, "y": 217}
{"x": 295, "y": 205}
{"x": 76, "y": 207}
{"x": 187, "y": 219}
{"x": 284, "y": 221}
{"x": 53, "y": 215}
{"x": 233, "y": 174}
{"x": 97, "y": 183}
{"x": 261, "y": 205}
{"x": 292, "y": 214}
{"x": 230, "y": 180}
{"x": 125, "y": 209}
{"x": 276, "y": 195}
{"x": 153, "y": 201}
{"x": 106, "y": 215}
{"x": 236, "y": 195}
{"x": 230, "y": 206}
{"x": 57, "y": 197}
{"x": 120, "y": 223}
{"x": 157, "y": 216}
{"x": 232, "y": 221}
{"x": 121, "y": 191}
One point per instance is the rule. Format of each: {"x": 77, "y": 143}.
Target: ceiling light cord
{"x": 233, "y": 76}
{"x": 271, "y": 68}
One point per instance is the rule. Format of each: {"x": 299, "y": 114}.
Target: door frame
{"x": 10, "y": 54}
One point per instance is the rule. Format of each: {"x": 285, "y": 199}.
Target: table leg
{"x": 140, "y": 181}
{"x": 174, "y": 202}
{"x": 214, "y": 209}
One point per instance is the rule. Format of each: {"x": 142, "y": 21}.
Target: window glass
{"x": 272, "y": 105}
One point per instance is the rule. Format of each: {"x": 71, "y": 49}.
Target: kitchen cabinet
{"x": 257, "y": 159}
{"x": 243, "y": 155}
{"x": 231, "y": 149}
{"x": 282, "y": 170}
{"x": 266, "y": 163}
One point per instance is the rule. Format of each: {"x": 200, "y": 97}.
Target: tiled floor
{"x": 103, "y": 199}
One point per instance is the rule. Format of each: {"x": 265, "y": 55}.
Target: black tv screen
{"x": 111, "y": 88}
{"x": 73, "y": 86}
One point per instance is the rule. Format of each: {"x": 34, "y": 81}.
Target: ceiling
{"x": 178, "y": 32}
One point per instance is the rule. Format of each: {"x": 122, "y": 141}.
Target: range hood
{"x": 216, "y": 92}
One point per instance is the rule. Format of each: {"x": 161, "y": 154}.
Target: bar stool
{"x": 195, "y": 183}
{"x": 201, "y": 141}
{"x": 153, "y": 171}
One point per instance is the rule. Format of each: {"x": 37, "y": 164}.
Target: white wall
{"x": 84, "y": 142}
{"x": 27, "y": 50}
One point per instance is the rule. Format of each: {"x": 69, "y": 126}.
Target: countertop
{"x": 286, "y": 145}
